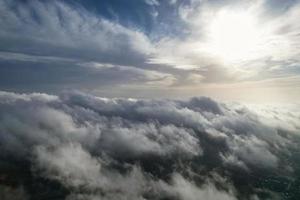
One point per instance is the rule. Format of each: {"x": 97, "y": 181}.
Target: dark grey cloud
{"x": 78, "y": 146}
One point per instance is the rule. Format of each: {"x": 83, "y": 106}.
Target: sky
{"x": 230, "y": 50}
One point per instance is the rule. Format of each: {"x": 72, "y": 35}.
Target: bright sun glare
{"x": 234, "y": 36}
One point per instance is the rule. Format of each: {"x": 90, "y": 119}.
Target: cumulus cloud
{"x": 69, "y": 163}
{"x": 187, "y": 190}
{"x": 128, "y": 148}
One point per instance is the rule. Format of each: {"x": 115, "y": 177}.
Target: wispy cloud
{"x": 215, "y": 43}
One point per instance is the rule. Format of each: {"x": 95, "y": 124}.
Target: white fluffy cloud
{"x": 188, "y": 191}
{"x": 128, "y": 148}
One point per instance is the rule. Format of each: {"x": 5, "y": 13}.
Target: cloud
{"x": 187, "y": 190}
{"x": 152, "y": 2}
{"x": 64, "y": 39}
{"x": 78, "y": 33}
{"x": 71, "y": 164}
{"x": 74, "y": 145}
{"x": 78, "y": 170}
{"x": 128, "y": 148}
{"x": 54, "y": 44}
{"x": 254, "y": 152}
{"x": 202, "y": 48}
{"x": 134, "y": 74}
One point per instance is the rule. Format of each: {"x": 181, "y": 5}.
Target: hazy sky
{"x": 230, "y": 50}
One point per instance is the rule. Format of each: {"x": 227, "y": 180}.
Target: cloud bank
{"x": 79, "y": 146}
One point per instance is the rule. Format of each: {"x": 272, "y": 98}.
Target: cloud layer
{"x": 78, "y": 146}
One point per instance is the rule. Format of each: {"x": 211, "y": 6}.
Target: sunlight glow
{"x": 234, "y": 36}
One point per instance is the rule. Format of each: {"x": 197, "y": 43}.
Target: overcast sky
{"x": 230, "y": 50}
